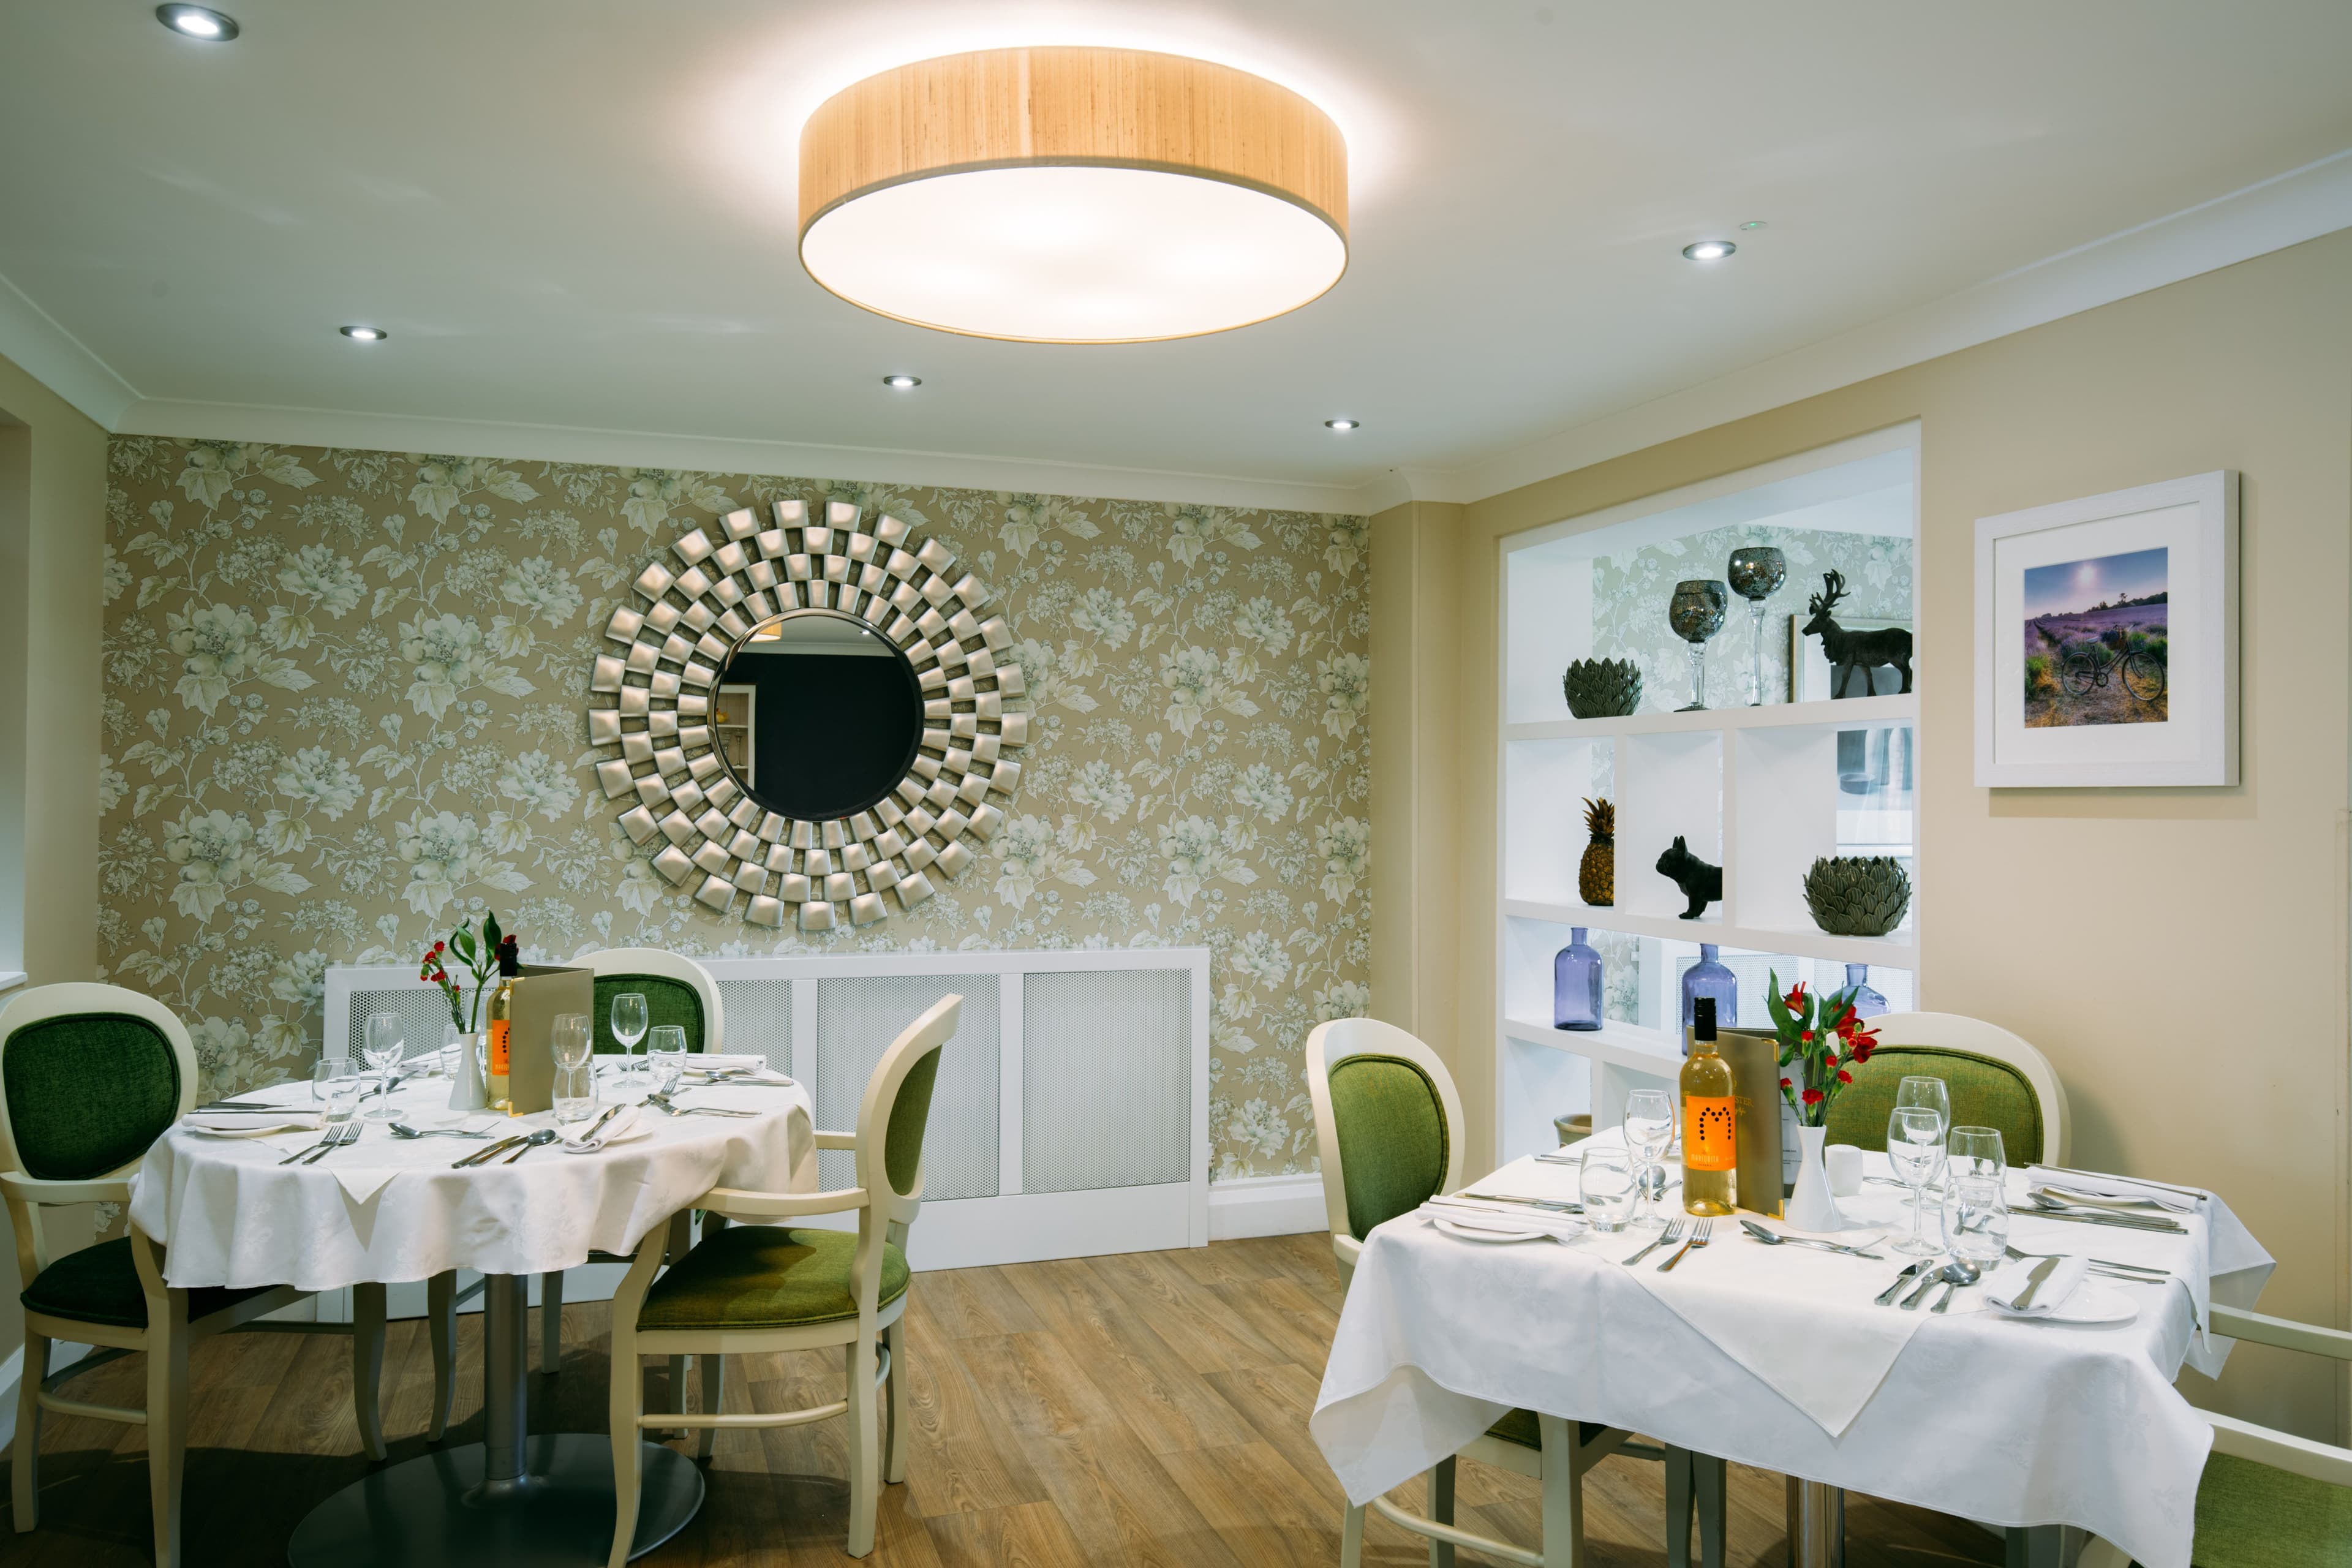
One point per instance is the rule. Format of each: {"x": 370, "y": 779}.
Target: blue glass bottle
{"x": 1708, "y": 977}
{"x": 1576, "y": 984}
{"x": 1867, "y": 1002}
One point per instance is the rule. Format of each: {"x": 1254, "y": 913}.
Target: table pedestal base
{"x": 1816, "y": 1524}
{"x": 438, "y": 1510}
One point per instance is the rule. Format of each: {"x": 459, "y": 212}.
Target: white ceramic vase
{"x": 1813, "y": 1206}
{"x": 466, "y": 1091}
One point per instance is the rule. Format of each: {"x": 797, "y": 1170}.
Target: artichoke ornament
{"x": 1858, "y": 895}
{"x": 1602, "y": 688}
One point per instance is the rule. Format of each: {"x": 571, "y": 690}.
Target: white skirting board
{"x": 1265, "y": 1206}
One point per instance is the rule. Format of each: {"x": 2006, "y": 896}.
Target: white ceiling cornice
{"x": 2288, "y": 209}
{"x": 45, "y": 350}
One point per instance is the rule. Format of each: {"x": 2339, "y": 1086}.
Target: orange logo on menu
{"x": 1707, "y": 1133}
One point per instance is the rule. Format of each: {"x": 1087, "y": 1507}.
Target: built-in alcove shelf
{"x": 1623, "y": 1045}
{"x": 1808, "y": 943}
{"x": 1851, "y": 713}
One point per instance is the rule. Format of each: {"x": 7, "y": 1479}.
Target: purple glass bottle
{"x": 1867, "y": 1002}
{"x": 1576, "y": 984}
{"x": 1708, "y": 977}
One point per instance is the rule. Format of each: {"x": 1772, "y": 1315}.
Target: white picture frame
{"x": 2138, "y": 685}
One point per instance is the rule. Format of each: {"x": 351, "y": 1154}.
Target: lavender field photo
{"x": 2096, "y": 642}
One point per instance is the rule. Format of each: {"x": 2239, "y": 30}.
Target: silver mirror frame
{"x": 651, "y": 704}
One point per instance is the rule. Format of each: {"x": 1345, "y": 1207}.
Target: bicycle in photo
{"x": 2086, "y": 667}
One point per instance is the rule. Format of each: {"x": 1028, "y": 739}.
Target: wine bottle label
{"x": 499, "y": 1029}
{"x": 1709, "y": 1141}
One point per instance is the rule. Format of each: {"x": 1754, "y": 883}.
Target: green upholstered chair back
{"x": 1394, "y": 1148}
{"x": 88, "y": 1093}
{"x": 1985, "y": 1093}
{"x": 897, "y": 1108}
{"x": 911, "y": 1113}
{"x": 667, "y": 1001}
{"x": 2250, "y": 1515}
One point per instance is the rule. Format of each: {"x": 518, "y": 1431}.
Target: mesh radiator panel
{"x": 1105, "y": 1079}
{"x": 856, "y": 1019}
{"x": 759, "y": 1020}
{"x": 421, "y": 1010}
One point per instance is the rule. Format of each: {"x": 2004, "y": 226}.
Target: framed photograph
{"x": 2107, "y": 639}
{"x": 1812, "y": 676}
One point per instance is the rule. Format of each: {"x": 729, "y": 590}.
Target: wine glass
{"x": 1975, "y": 1155}
{"x": 1649, "y": 1128}
{"x": 1605, "y": 1185}
{"x": 628, "y": 1027}
{"x": 569, "y": 1038}
{"x": 1914, "y": 1147}
{"x": 336, "y": 1085}
{"x": 665, "y": 1056}
{"x": 381, "y": 1044}
{"x": 1927, "y": 1094}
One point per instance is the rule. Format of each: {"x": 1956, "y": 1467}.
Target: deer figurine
{"x": 1849, "y": 651}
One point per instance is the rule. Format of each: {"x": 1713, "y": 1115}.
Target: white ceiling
{"x": 575, "y": 219}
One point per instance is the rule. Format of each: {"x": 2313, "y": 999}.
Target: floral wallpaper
{"x": 344, "y": 698}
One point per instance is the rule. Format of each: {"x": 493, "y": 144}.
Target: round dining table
{"x": 390, "y": 1209}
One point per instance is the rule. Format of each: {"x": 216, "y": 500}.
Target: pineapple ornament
{"x": 1596, "y": 874}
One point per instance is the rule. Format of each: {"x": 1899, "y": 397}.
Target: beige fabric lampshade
{"x": 1073, "y": 195}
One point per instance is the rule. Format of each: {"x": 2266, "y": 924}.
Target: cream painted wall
{"x": 52, "y": 541}
{"x": 2179, "y": 954}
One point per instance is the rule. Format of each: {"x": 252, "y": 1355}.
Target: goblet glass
{"x": 1756, "y": 571}
{"x": 1695, "y": 613}
{"x": 1649, "y": 1128}
{"x": 383, "y": 1044}
{"x": 628, "y": 1027}
{"x": 1924, "y": 1093}
{"x": 1914, "y": 1147}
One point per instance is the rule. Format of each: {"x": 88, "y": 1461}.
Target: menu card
{"x": 1754, "y": 1058}
{"x": 541, "y": 992}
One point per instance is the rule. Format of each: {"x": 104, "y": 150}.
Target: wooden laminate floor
{"x": 1147, "y": 1410}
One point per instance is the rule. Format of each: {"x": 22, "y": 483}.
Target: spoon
{"x": 545, "y": 1136}
{"x": 1959, "y": 1271}
{"x": 1771, "y": 1239}
{"x": 402, "y": 1130}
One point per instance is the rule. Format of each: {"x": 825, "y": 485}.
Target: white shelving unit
{"x": 1755, "y": 789}
{"x": 732, "y": 722}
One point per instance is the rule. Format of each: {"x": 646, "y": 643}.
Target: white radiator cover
{"x": 1071, "y": 1116}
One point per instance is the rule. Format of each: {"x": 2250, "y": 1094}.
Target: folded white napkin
{"x": 2175, "y": 1200}
{"x": 252, "y": 1124}
{"x": 716, "y": 1062}
{"x": 630, "y": 1123}
{"x": 2003, "y": 1285}
{"x": 1508, "y": 1216}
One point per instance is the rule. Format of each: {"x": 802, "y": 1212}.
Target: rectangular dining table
{"x": 1778, "y": 1357}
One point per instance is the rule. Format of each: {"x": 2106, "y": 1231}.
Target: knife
{"x": 2042, "y": 1270}
{"x": 478, "y": 1155}
{"x": 1909, "y": 1273}
{"x": 2123, "y": 1222}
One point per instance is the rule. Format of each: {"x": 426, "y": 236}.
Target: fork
{"x": 1699, "y": 1234}
{"x": 1666, "y": 1237}
{"x": 345, "y": 1135}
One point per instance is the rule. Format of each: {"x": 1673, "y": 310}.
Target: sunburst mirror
{"x": 812, "y": 715}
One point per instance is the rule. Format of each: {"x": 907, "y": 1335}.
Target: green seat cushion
{"x": 1519, "y": 1426}
{"x": 1390, "y": 1125}
{"x": 88, "y": 1093}
{"x": 2252, "y": 1516}
{"x": 765, "y": 1277}
{"x": 100, "y": 1284}
{"x": 1985, "y": 1093}
{"x": 667, "y": 1001}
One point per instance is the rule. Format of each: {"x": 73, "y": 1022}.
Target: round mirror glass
{"x": 818, "y": 715}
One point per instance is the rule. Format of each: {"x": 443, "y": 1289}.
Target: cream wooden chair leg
{"x": 627, "y": 1406}
{"x": 1563, "y": 1494}
{"x": 1441, "y": 1509}
{"x": 894, "y": 1463}
{"x": 2098, "y": 1553}
{"x": 441, "y": 1326}
{"x": 1351, "y": 1540}
{"x": 551, "y": 1321}
{"x": 714, "y": 1393}
{"x": 167, "y": 1426}
{"x": 865, "y": 1445}
{"x": 25, "y": 1478}
{"x": 367, "y": 1364}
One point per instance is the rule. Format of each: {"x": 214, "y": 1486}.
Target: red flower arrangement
{"x": 477, "y": 955}
{"x": 1819, "y": 1038}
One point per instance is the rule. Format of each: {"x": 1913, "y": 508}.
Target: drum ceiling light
{"x": 1073, "y": 195}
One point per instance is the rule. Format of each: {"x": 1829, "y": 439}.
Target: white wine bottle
{"x": 1711, "y": 1123}
{"x": 498, "y": 1086}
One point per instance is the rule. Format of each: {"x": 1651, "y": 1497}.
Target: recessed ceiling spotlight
{"x": 1709, "y": 249}
{"x": 365, "y": 334}
{"x": 1753, "y": 223}
{"x": 1339, "y": 424}
{"x": 198, "y": 22}
{"x": 902, "y": 383}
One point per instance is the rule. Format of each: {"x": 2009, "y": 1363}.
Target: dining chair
{"x": 2268, "y": 1498}
{"x": 1387, "y": 1127}
{"x": 752, "y": 1287}
{"x": 1996, "y": 1078}
{"x": 90, "y": 1076}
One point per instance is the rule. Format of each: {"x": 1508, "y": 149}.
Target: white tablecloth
{"x": 228, "y": 1213}
{"x": 2007, "y": 1422}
